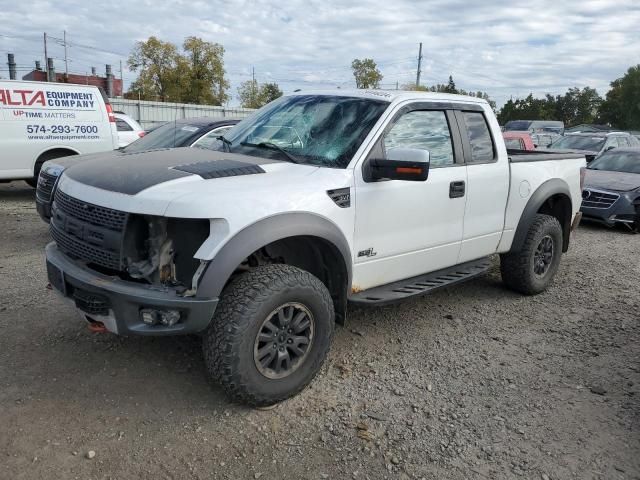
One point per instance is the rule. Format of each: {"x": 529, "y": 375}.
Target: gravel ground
{"x": 471, "y": 382}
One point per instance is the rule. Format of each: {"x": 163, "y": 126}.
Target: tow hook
{"x": 95, "y": 326}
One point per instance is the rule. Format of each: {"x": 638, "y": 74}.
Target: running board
{"x": 422, "y": 284}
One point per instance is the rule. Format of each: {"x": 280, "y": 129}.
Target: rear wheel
{"x": 270, "y": 334}
{"x": 33, "y": 182}
{"x": 532, "y": 269}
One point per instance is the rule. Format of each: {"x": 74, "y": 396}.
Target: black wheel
{"x": 270, "y": 334}
{"x": 33, "y": 182}
{"x": 531, "y": 269}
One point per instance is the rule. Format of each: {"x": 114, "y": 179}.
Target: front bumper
{"x": 44, "y": 210}
{"x": 623, "y": 210}
{"x": 117, "y": 303}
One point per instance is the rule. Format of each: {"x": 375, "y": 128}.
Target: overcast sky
{"x": 507, "y": 48}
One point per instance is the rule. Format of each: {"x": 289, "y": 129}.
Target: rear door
{"x": 487, "y": 184}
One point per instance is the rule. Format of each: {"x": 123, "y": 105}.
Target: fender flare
{"x": 546, "y": 190}
{"x": 262, "y": 233}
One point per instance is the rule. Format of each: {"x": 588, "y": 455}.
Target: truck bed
{"x": 517, "y": 156}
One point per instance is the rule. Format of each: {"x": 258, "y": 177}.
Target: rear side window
{"x": 513, "y": 143}
{"x": 479, "y": 137}
{"x": 123, "y": 126}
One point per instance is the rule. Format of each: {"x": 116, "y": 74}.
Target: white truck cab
{"x": 40, "y": 121}
{"x": 316, "y": 201}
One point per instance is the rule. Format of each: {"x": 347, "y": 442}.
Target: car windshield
{"x": 169, "y": 135}
{"x": 617, "y": 161}
{"x": 579, "y": 142}
{"x": 518, "y": 125}
{"x": 319, "y": 130}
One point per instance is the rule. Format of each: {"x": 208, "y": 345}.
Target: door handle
{"x": 456, "y": 189}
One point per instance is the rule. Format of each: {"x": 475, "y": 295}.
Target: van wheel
{"x": 531, "y": 269}
{"x": 33, "y": 182}
{"x": 270, "y": 334}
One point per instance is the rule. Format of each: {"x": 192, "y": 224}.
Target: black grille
{"x": 46, "y": 182}
{"x": 82, "y": 251}
{"x": 88, "y": 232}
{"x": 597, "y": 199}
{"x": 91, "y": 303}
{"x": 93, "y": 214}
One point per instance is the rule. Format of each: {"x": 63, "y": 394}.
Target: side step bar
{"x": 422, "y": 284}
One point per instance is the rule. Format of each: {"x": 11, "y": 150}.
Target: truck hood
{"x": 131, "y": 173}
{"x": 619, "y": 181}
{"x": 196, "y": 183}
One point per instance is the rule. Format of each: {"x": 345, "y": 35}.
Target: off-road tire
{"x": 228, "y": 343}
{"x": 517, "y": 268}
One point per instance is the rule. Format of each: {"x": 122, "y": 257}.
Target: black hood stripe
{"x": 131, "y": 173}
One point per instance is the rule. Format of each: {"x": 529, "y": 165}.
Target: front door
{"x": 406, "y": 228}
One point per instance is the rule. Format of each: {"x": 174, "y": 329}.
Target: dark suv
{"x": 594, "y": 143}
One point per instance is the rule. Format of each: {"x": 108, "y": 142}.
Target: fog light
{"x": 148, "y": 316}
{"x": 163, "y": 317}
{"x": 169, "y": 317}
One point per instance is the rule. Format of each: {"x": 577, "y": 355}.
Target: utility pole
{"x": 45, "y": 55}
{"x": 253, "y": 85}
{"x": 121, "y": 81}
{"x": 66, "y": 61}
{"x": 419, "y": 65}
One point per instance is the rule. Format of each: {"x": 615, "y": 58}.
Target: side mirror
{"x": 610, "y": 147}
{"x": 410, "y": 164}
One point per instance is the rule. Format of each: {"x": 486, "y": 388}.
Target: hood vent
{"x": 220, "y": 169}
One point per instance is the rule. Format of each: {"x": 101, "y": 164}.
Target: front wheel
{"x": 531, "y": 269}
{"x": 270, "y": 334}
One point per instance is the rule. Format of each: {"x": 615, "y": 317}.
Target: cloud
{"x": 507, "y": 48}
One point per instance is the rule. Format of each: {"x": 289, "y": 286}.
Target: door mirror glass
{"x": 410, "y": 164}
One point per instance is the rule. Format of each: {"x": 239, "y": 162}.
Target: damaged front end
{"x": 160, "y": 251}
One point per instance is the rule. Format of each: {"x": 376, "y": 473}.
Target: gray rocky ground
{"x": 472, "y": 382}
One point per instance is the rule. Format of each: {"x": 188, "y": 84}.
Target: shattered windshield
{"x": 319, "y": 130}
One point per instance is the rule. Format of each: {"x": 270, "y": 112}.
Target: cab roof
{"x": 393, "y": 95}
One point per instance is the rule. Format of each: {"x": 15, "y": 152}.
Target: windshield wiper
{"x": 272, "y": 146}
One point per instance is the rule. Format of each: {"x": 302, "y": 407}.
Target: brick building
{"x": 41, "y": 76}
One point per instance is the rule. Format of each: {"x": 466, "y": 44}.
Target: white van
{"x": 42, "y": 120}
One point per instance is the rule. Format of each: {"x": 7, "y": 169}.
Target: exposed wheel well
{"x": 55, "y": 153}
{"x": 559, "y": 206}
{"x": 313, "y": 254}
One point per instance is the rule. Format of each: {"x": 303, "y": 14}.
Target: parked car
{"x": 535, "y": 126}
{"x": 186, "y": 132}
{"x": 193, "y": 132}
{"x": 518, "y": 141}
{"x": 544, "y": 139}
{"x": 611, "y": 193}
{"x": 128, "y": 129}
{"x": 593, "y": 144}
{"x": 314, "y": 201}
{"x": 41, "y": 121}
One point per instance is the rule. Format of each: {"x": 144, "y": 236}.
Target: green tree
{"x": 621, "y": 106}
{"x": 576, "y": 106}
{"x": 253, "y": 95}
{"x": 366, "y": 73}
{"x": 195, "y": 76}
{"x": 414, "y": 88}
{"x": 451, "y": 86}
{"x": 157, "y": 62}
{"x": 269, "y": 92}
{"x": 204, "y": 76}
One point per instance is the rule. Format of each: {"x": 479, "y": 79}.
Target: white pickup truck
{"x": 316, "y": 201}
